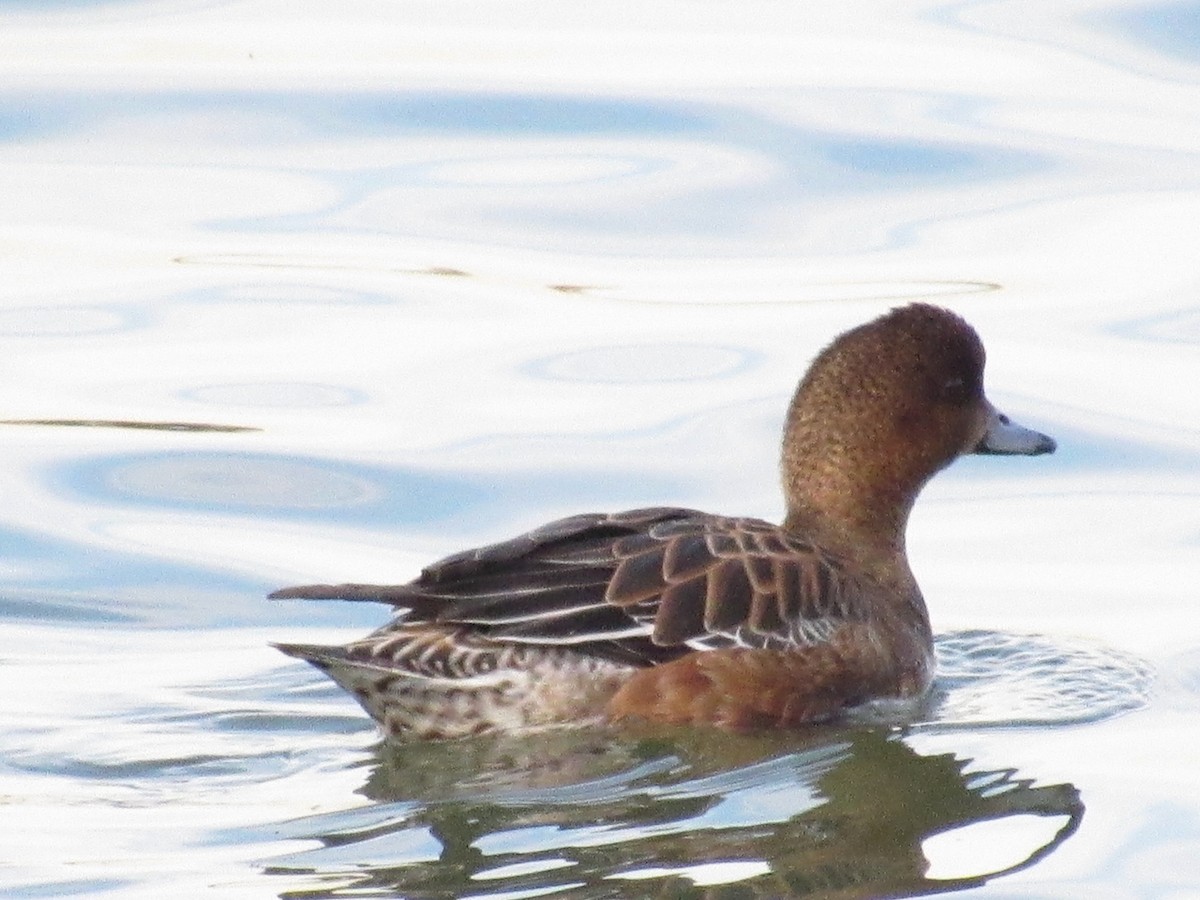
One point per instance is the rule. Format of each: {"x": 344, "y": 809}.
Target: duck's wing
{"x": 647, "y": 584}
{"x": 520, "y": 565}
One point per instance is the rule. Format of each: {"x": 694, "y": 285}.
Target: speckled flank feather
{"x": 678, "y": 615}
{"x": 434, "y": 683}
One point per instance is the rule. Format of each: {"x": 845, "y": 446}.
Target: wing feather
{"x": 639, "y": 585}
{"x": 730, "y": 596}
{"x": 764, "y": 614}
{"x": 578, "y": 626}
{"x": 637, "y": 577}
{"x": 761, "y": 570}
{"x": 680, "y": 612}
{"x": 686, "y": 559}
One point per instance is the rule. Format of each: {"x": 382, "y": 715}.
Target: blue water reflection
{"x": 360, "y": 113}
{"x": 68, "y": 583}
{"x": 300, "y": 488}
{"x": 1177, "y": 326}
{"x": 906, "y": 163}
{"x": 78, "y": 587}
{"x": 1171, "y": 28}
{"x": 804, "y": 162}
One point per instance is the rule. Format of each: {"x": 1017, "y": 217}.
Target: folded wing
{"x": 642, "y": 586}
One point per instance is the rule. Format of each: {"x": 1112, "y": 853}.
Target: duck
{"x": 680, "y": 617}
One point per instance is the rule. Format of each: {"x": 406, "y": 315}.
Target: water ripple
{"x": 311, "y": 487}
{"x": 849, "y": 810}
{"x": 276, "y": 395}
{"x": 645, "y": 364}
{"x": 996, "y": 678}
{"x": 71, "y": 321}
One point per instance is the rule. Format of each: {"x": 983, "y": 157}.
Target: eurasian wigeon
{"x": 681, "y": 616}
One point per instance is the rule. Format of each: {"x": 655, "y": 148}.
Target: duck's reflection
{"x": 703, "y": 815}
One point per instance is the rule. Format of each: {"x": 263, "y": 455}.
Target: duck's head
{"x": 881, "y": 409}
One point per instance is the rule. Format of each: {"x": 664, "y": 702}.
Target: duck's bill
{"x": 1006, "y": 437}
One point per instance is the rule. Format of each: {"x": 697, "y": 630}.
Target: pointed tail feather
{"x": 395, "y": 595}
{"x": 320, "y": 655}
{"x": 339, "y": 663}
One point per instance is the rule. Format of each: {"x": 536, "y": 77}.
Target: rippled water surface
{"x": 316, "y": 292}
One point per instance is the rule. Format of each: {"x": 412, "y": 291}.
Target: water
{"x": 300, "y": 294}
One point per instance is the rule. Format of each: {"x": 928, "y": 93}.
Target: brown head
{"x": 880, "y": 411}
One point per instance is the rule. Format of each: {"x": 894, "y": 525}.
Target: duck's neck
{"x": 867, "y": 529}
{"x": 859, "y": 524}
{"x": 860, "y": 509}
